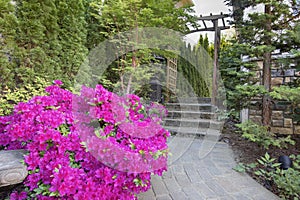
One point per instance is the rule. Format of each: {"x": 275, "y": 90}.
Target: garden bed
{"x": 247, "y": 152}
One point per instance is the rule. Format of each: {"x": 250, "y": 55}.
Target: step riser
{"x": 191, "y": 117}
{"x": 203, "y": 108}
{"x": 194, "y": 100}
{"x": 173, "y": 115}
{"x": 178, "y": 133}
{"x": 199, "y": 124}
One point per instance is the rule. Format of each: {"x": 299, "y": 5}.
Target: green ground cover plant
{"x": 269, "y": 171}
{"x": 262, "y": 136}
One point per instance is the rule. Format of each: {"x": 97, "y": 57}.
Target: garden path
{"x": 193, "y": 176}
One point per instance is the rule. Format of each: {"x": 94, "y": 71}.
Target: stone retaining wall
{"x": 282, "y": 121}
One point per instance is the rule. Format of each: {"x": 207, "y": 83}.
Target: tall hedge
{"x": 41, "y": 38}
{"x": 8, "y": 22}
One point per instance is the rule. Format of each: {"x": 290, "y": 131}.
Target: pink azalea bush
{"x": 95, "y": 145}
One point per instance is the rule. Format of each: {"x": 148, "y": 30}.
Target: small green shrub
{"x": 260, "y": 135}
{"x": 241, "y": 167}
{"x": 286, "y": 182}
{"x": 9, "y": 98}
{"x": 268, "y": 167}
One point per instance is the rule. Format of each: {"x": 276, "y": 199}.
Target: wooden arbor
{"x": 217, "y": 29}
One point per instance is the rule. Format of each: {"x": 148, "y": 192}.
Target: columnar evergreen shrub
{"x": 41, "y": 38}
{"x": 95, "y": 145}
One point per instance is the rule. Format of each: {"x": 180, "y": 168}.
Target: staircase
{"x": 191, "y": 117}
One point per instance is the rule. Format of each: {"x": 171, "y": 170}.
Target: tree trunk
{"x": 266, "y": 111}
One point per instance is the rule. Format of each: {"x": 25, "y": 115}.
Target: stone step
{"x": 193, "y": 123}
{"x": 191, "y": 115}
{"x": 190, "y": 107}
{"x": 186, "y": 131}
{"x": 195, "y": 100}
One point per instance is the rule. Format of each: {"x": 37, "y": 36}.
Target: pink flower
{"x": 57, "y": 82}
{"x": 18, "y": 196}
{"x": 88, "y": 146}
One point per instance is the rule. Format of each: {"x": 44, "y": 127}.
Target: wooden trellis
{"x": 171, "y": 74}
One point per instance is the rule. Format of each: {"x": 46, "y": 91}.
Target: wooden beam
{"x": 213, "y": 17}
{"x": 208, "y": 29}
{"x": 12, "y": 171}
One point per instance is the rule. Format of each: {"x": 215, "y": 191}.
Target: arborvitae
{"x": 193, "y": 68}
{"x": 36, "y": 39}
{"x": 41, "y": 38}
{"x": 8, "y": 22}
{"x": 72, "y": 36}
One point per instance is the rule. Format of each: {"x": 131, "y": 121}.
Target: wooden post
{"x": 12, "y": 171}
{"x": 217, "y": 29}
{"x": 216, "y": 62}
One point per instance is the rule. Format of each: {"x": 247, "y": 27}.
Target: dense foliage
{"x": 51, "y": 39}
{"x": 260, "y": 135}
{"x": 122, "y": 23}
{"x": 41, "y": 38}
{"x": 195, "y": 67}
{"x": 87, "y": 146}
{"x": 273, "y": 175}
{"x": 272, "y": 29}
{"x": 238, "y": 77}
{"x": 10, "y": 97}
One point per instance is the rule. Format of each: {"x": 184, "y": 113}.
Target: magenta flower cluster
{"x": 95, "y": 145}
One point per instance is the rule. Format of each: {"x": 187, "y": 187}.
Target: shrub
{"x": 285, "y": 182}
{"x": 260, "y": 135}
{"x": 95, "y": 145}
{"x": 9, "y": 98}
{"x": 288, "y": 183}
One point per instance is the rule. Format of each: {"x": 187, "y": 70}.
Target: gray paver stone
{"x": 178, "y": 195}
{"x": 182, "y": 179}
{"x": 164, "y": 197}
{"x": 192, "y": 193}
{"x": 192, "y": 174}
{"x": 216, "y": 188}
{"x": 211, "y": 177}
{"x": 159, "y": 187}
{"x": 172, "y": 185}
{"x": 203, "y": 172}
{"x": 204, "y": 190}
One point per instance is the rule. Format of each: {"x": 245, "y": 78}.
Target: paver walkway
{"x": 192, "y": 176}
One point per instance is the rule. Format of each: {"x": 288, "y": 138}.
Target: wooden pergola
{"x": 217, "y": 29}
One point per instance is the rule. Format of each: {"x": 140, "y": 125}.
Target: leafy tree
{"x": 38, "y": 47}
{"x": 265, "y": 32}
{"x": 115, "y": 18}
{"x": 238, "y": 77}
